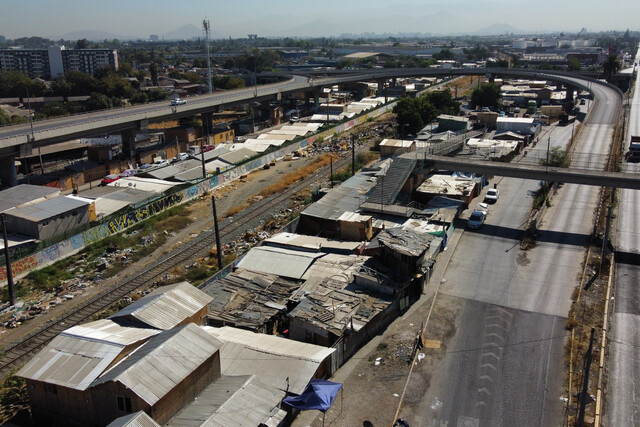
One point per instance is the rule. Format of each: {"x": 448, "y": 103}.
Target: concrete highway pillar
{"x": 381, "y": 87}
{"x": 8, "y": 172}
{"x": 129, "y": 143}
{"x": 569, "y": 93}
{"x": 316, "y": 99}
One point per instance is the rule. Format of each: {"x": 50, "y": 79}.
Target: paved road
{"x": 504, "y": 365}
{"x": 623, "y": 391}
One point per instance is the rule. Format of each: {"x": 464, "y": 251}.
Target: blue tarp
{"x": 319, "y": 395}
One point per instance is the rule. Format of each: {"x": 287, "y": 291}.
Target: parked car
{"x": 582, "y": 101}
{"x": 516, "y": 110}
{"x": 144, "y": 167}
{"x": 127, "y": 173}
{"x": 178, "y": 101}
{"x": 109, "y": 179}
{"x": 492, "y": 195}
{"x": 206, "y": 148}
{"x": 161, "y": 164}
{"x": 180, "y": 157}
{"x": 476, "y": 220}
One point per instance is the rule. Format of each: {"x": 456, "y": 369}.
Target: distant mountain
{"x": 496, "y": 30}
{"x": 186, "y": 32}
{"x": 90, "y": 35}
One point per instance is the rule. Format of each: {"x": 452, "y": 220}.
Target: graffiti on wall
{"x": 94, "y": 234}
{"x": 20, "y": 266}
{"x": 120, "y": 223}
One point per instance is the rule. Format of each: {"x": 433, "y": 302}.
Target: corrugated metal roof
{"x": 166, "y": 306}
{"x": 138, "y": 419}
{"x": 108, "y": 331}
{"x": 314, "y": 243}
{"x": 71, "y": 362}
{"x": 24, "y": 193}
{"x": 190, "y": 175}
{"x": 216, "y": 152}
{"x": 271, "y": 344}
{"x": 233, "y": 401}
{"x": 237, "y": 156}
{"x": 338, "y": 267}
{"x": 278, "y": 261}
{"x": 145, "y": 184}
{"x": 47, "y": 209}
{"x": 163, "y": 362}
{"x": 345, "y": 198}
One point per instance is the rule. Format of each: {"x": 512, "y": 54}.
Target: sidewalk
{"x": 306, "y": 418}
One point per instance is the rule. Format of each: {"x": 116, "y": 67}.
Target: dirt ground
{"x": 372, "y": 391}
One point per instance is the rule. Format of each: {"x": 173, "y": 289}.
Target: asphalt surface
{"x": 504, "y": 366}
{"x": 623, "y": 391}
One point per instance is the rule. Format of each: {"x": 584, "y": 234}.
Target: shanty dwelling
{"x": 59, "y": 377}
{"x": 167, "y": 307}
{"x": 339, "y": 315}
{"x": 452, "y": 186}
{"x": 159, "y": 378}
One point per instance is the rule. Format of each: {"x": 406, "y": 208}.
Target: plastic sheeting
{"x": 319, "y": 395}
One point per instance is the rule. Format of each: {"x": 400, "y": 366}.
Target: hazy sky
{"x": 139, "y": 18}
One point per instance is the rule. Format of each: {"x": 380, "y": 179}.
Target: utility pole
{"x": 206, "y": 28}
{"x": 217, "y": 230}
{"x": 585, "y": 382}
{"x": 353, "y": 155}
{"x": 331, "y": 170}
{"x": 8, "y": 261}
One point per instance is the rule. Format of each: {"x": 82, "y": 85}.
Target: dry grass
{"x": 293, "y": 177}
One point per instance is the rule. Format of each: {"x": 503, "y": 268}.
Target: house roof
{"x": 163, "y": 362}
{"x": 246, "y": 299}
{"x": 108, "y": 331}
{"x": 137, "y": 419}
{"x": 278, "y": 261}
{"x": 24, "y": 193}
{"x": 233, "y": 401}
{"x": 166, "y": 306}
{"x": 280, "y": 362}
{"x": 47, "y": 209}
{"x": 70, "y": 361}
{"x": 404, "y": 241}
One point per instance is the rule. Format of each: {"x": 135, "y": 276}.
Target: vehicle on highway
{"x": 492, "y": 195}
{"x": 109, "y": 179}
{"x": 178, "y": 101}
{"x": 476, "y": 220}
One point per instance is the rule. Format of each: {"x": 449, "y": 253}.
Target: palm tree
{"x": 611, "y": 65}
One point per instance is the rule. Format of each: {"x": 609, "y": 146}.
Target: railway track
{"x": 16, "y": 354}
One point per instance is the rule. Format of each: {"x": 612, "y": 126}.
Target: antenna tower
{"x": 206, "y": 28}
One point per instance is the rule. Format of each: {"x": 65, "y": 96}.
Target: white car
{"x": 180, "y": 157}
{"x": 160, "y": 164}
{"x": 476, "y": 220}
{"x": 492, "y": 195}
{"x": 178, "y": 101}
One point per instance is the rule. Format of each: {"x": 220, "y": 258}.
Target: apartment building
{"x": 55, "y": 60}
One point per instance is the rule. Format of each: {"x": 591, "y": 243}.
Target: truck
{"x": 532, "y": 106}
{"x": 633, "y": 155}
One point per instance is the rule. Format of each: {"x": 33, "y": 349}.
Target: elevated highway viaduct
{"x": 19, "y": 140}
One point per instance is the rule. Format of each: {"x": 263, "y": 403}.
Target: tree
{"x": 153, "y": 70}
{"x": 443, "y": 102}
{"x": 157, "y": 94}
{"x": 486, "y": 95}
{"x": 611, "y": 66}
{"x": 573, "y": 64}
{"x": 82, "y": 44}
{"x": 98, "y": 101}
{"x": 557, "y": 158}
{"x": 139, "y": 98}
{"x": 54, "y": 109}
{"x": 444, "y": 54}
